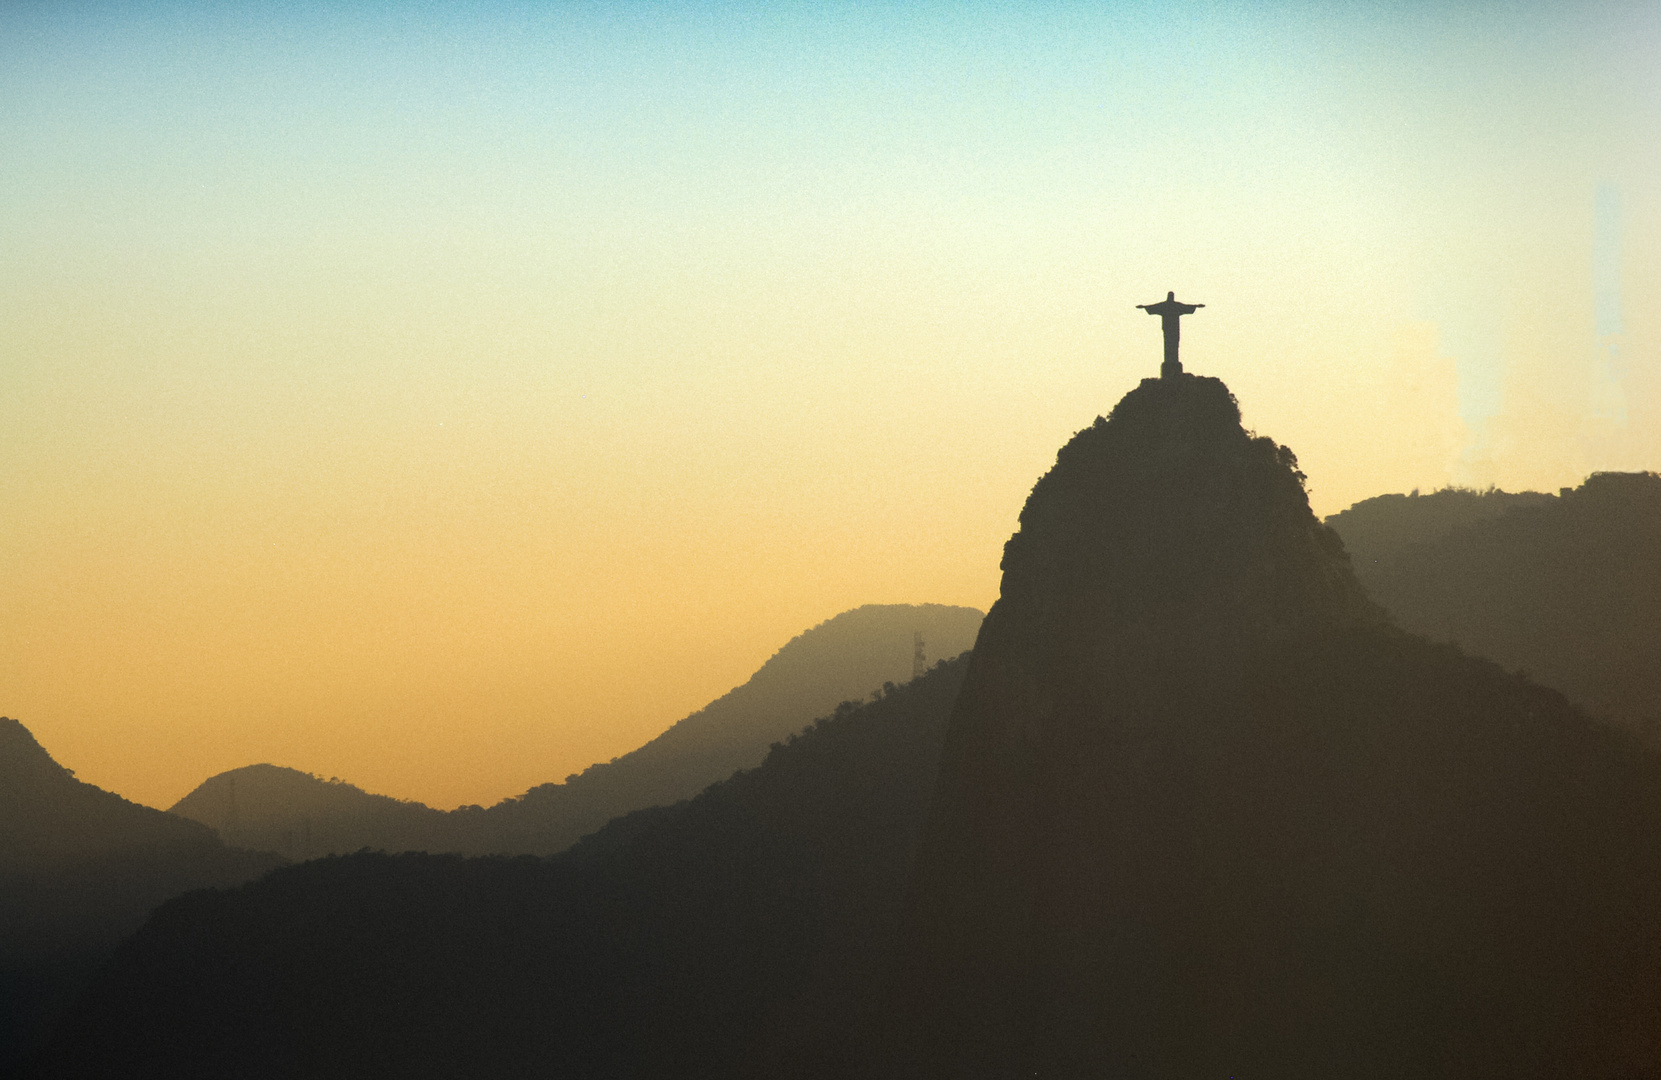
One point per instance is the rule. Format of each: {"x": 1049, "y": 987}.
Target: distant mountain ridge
{"x": 55, "y": 827}
{"x": 1566, "y": 587}
{"x": 843, "y": 658}
{"x": 1382, "y": 526}
{"x": 304, "y": 816}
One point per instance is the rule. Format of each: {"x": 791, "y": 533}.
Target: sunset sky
{"x": 445, "y": 397}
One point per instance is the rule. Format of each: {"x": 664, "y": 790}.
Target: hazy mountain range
{"x": 715, "y": 937}
{"x": 844, "y": 658}
{"x": 1194, "y": 806}
{"x": 1565, "y": 587}
{"x": 81, "y": 868}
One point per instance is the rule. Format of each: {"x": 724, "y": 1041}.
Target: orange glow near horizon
{"x": 449, "y": 405}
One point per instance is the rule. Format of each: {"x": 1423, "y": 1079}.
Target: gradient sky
{"x": 445, "y": 397}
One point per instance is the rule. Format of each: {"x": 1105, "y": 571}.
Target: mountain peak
{"x": 1169, "y": 514}
{"x": 1201, "y": 808}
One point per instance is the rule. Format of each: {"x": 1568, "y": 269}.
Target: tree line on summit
{"x": 1201, "y": 806}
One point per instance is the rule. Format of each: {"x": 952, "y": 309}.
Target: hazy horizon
{"x": 448, "y": 400}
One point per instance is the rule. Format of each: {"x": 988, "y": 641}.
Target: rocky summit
{"x": 1202, "y": 810}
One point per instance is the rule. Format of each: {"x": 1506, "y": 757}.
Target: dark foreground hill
{"x": 1202, "y": 813}
{"x": 841, "y": 659}
{"x": 1565, "y": 587}
{"x": 735, "y": 934}
{"x": 80, "y": 869}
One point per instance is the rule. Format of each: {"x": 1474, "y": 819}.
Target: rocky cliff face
{"x": 1202, "y": 810}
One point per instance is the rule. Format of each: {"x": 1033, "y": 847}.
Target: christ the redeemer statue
{"x": 1170, "y": 312}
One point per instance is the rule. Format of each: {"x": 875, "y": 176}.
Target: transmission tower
{"x": 919, "y": 663}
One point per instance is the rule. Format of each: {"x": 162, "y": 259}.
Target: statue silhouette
{"x": 1170, "y": 312}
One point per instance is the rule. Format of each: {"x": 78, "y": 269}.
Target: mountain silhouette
{"x": 1203, "y": 811}
{"x": 740, "y": 933}
{"x": 843, "y": 658}
{"x": 1198, "y": 808}
{"x": 1564, "y": 587}
{"x": 80, "y": 869}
